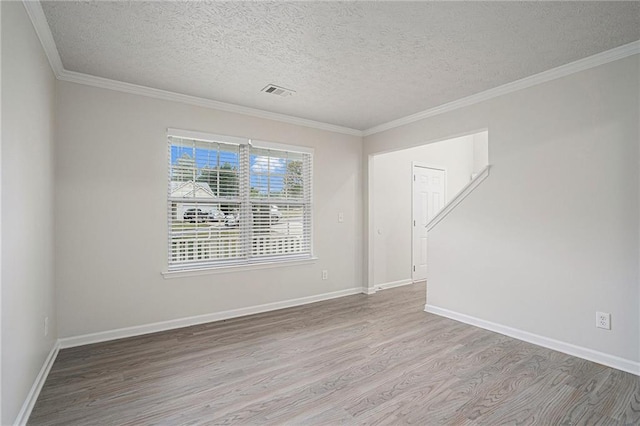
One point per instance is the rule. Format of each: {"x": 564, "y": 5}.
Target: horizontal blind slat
{"x": 230, "y": 204}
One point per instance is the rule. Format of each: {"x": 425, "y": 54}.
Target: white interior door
{"x": 428, "y": 200}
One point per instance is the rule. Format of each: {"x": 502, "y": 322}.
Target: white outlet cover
{"x": 603, "y": 320}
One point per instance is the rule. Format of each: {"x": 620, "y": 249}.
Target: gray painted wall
{"x": 551, "y": 236}
{"x": 392, "y": 204}
{"x": 27, "y": 208}
{"x": 111, "y": 225}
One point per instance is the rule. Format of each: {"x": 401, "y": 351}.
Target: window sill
{"x": 238, "y": 268}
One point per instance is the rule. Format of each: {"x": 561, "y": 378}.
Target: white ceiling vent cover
{"x": 277, "y": 90}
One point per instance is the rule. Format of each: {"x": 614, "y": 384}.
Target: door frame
{"x": 422, "y": 165}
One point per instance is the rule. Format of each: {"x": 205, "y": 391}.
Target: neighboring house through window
{"x": 233, "y": 201}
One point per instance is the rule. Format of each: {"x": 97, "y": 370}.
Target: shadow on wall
{"x": 391, "y": 174}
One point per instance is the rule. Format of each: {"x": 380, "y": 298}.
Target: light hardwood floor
{"x": 356, "y": 360}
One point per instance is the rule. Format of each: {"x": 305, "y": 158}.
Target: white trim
{"x": 39, "y": 21}
{"x": 370, "y": 230}
{"x": 241, "y": 267}
{"x": 206, "y": 137}
{"x": 393, "y": 284}
{"x": 1, "y": 399}
{"x": 613, "y": 361}
{"x": 457, "y": 199}
{"x": 589, "y": 62}
{"x": 414, "y": 220}
{"x": 120, "y": 333}
{"x": 281, "y": 146}
{"x": 369, "y": 291}
{"x": 34, "y": 392}
{"x": 120, "y": 86}
{"x": 425, "y": 165}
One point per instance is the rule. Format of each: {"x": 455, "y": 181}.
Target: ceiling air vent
{"x": 277, "y": 90}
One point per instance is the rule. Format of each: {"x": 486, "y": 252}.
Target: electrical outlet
{"x": 341, "y": 217}
{"x": 46, "y": 326}
{"x": 325, "y": 274}
{"x": 603, "y": 320}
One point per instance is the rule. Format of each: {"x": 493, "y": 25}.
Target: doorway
{"x": 389, "y": 198}
{"x": 429, "y": 195}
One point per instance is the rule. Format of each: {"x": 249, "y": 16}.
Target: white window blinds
{"x": 232, "y": 203}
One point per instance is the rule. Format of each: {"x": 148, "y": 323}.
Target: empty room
{"x": 319, "y": 212}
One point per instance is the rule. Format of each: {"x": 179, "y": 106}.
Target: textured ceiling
{"x": 354, "y": 64}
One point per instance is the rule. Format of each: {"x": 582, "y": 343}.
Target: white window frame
{"x": 247, "y": 261}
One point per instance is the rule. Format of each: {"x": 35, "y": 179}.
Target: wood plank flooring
{"x": 362, "y": 360}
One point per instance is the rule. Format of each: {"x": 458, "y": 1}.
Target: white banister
{"x": 461, "y": 195}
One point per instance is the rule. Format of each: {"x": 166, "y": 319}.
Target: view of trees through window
{"x": 237, "y": 202}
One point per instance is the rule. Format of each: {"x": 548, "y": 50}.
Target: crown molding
{"x": 39, "y": 21}
{"x": 552, "y": 74}
{"x": 36, "y": 14}
{"x": 40, "y": 24}
{"x": 105, "y": 83}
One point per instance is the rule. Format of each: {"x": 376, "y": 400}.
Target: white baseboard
{"x": 393, "y": 284}
{"x": 613, "y": 361}
{"x": 386, "y": 286}
{"x": 103, "y": 336}
{"x": 34, "y": 392}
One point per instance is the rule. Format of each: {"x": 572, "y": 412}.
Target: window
{"x": 232, "y": 201}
